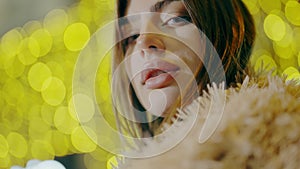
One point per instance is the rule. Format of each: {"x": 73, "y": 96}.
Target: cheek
{"x": 127, "y": 66}
{"x": 195, "y": 47}
{"x": 190, "y": 35}
{"x": 128, "y": 62}
{"x": 132, "y": 63}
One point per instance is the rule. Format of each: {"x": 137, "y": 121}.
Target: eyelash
{"x": 181, "y": 20}
{"x": 178, "y": 21}
{"x": 129, "y": 40}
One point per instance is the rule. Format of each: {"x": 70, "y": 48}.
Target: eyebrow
{"x": 158, "y": 6}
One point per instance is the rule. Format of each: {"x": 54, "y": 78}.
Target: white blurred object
{"x": 36, "y": 164}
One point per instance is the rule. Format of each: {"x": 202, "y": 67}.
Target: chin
{"x": 161, "y": 100}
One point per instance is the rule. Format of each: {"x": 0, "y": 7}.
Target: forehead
{"x": 167, "y": 6}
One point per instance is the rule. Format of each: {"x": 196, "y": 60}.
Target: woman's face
{"x": 163, "y": 53}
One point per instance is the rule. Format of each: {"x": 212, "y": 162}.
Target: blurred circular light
{"x": 4, "y": 129}
{"x": 296, "y": 40}
{"x": 111, "y": 5}
{"x": 2, "y": 102}
{"x": 13, "y": 91}
{"x": 283, "y": 52}
{"x": 38, "y": 127}
{"x": 34, "y": 47}
{"x": 32, "y": 26}
{"x": 299, "y": 59}
{"x": 42, "y": 150}
{"x": 285, "y": 1}
{"x": 56, "y": 69}
{"x": 11, "y": 42}
{"x": 274, "y": 27}
{"x": 47, "y": 113}
{"x": 15, "y": 69}
{"x": 30, "y": 50}
{"x": 63, "y": 120}
{"x": 83, "y": 107}
{"x": 12, "y": 117}
{"x": 294, "y": 77}
{"x": 33, "y": 112}
{"x": 56, "y": 21}
{"x": 76, "y": 36}
{"x": 4, "y": 147}
{"x": 59, "y": 142}
{"x": 44, "y": 39}
{"x": 112, "y": 162}
{"x": 2, "y": 58}
{"x": 85, "y": 11}
{"x": 268, "y": 6}
{"x": 83, "y": 141}
{"x": 37, "y": 75}
{"x": 292, "y": 12}
{"x": 5, "y": 162}
{"x": 18, "y": 145}
{"x": 289, "y": 71}
{"x": 265, "y": 62}
{"x": 100, "y": 154}
{"x": 37, "y": 56}
{"x": 287, "y": 40}
{"x": 252, "y": 6}
{"x": 53, "y": 91}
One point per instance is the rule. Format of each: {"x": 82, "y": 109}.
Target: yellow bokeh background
{"x": 37, "y": 62}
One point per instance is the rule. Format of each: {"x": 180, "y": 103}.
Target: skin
{"x": 161, "y": 39}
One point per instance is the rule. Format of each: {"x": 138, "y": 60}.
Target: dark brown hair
{"x": 227, "y": 24}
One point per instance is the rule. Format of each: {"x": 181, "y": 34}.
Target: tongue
{"x": 161, "y": 79}
{"x": 156, "y": 73}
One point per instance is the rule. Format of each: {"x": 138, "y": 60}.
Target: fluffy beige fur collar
{"x": 260, "y": 128}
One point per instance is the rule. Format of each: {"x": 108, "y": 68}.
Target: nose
{"x": 150, "y": 38}
{"x": 147, "y": 41}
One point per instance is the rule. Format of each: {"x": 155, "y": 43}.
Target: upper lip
{"x": 154, "y": 66}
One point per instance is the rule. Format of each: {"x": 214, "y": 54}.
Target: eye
{"x": 178, "y": 21}
{"x": 129, "y": 40}
{"x": 132, "y": 38}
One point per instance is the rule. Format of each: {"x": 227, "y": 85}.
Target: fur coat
{"x": 260, "y": 128}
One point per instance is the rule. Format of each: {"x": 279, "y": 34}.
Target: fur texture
{"x": 260, "y": 128}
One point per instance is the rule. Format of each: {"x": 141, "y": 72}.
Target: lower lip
{"x": 160, "y": 81}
